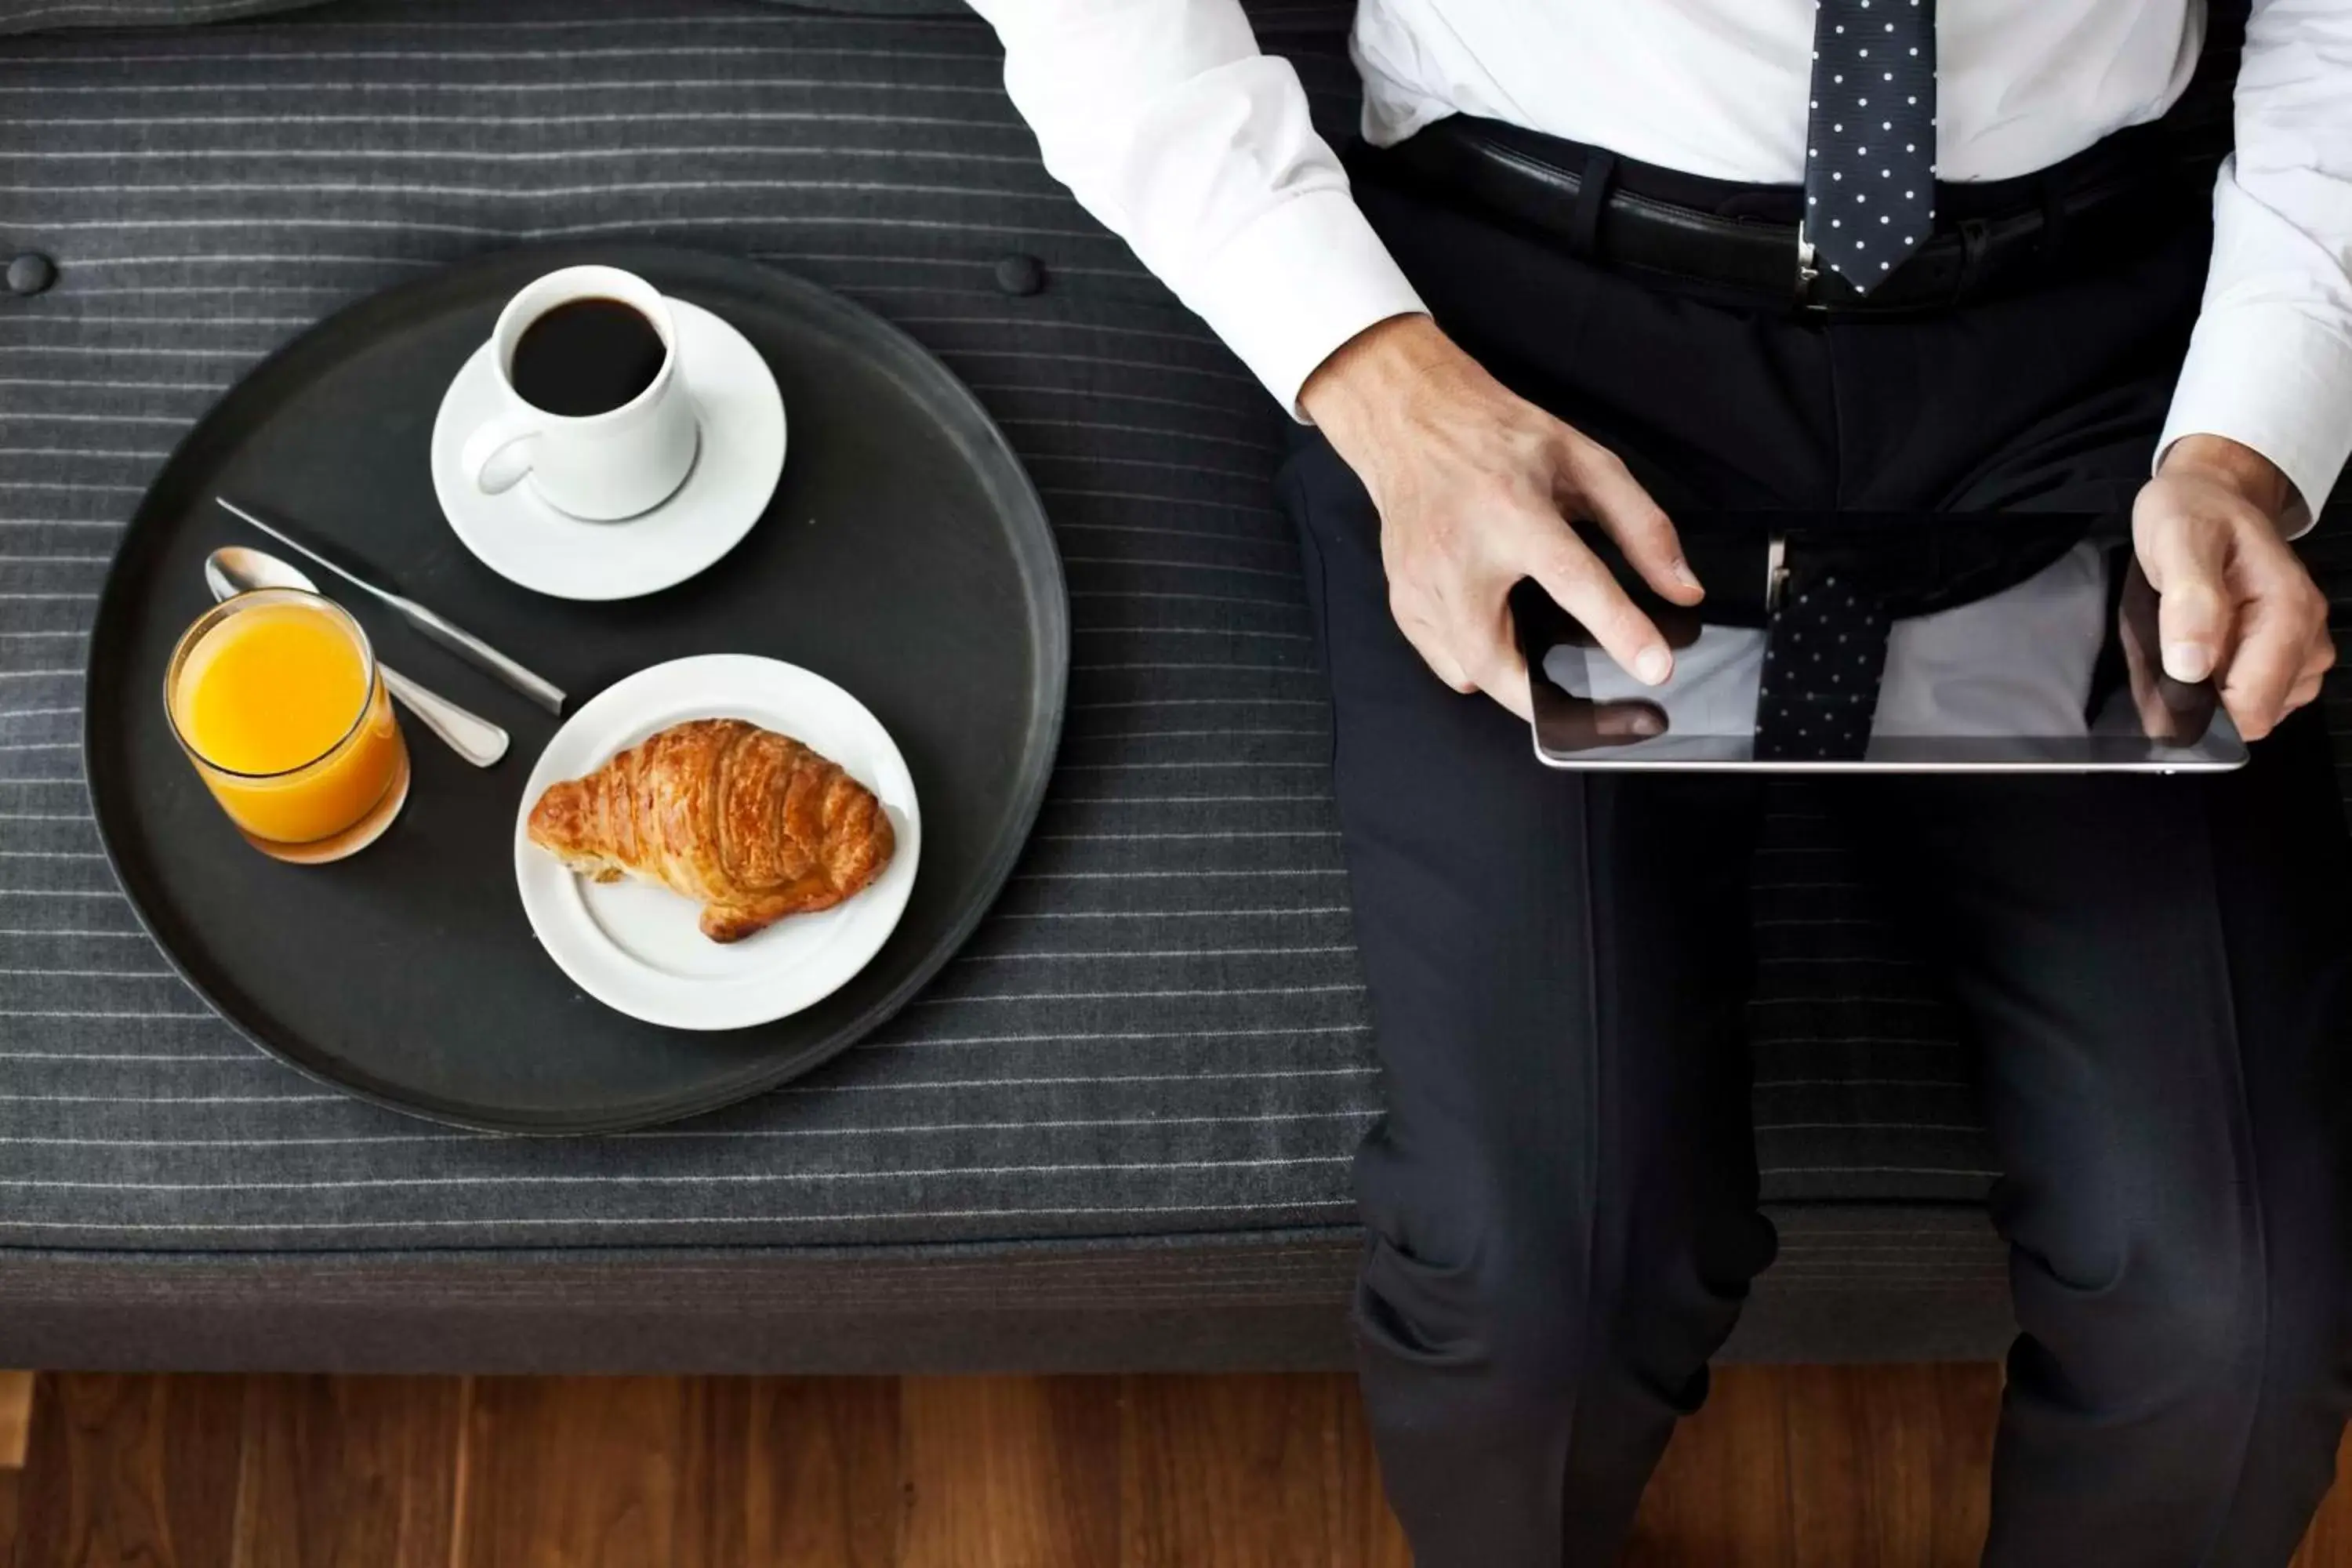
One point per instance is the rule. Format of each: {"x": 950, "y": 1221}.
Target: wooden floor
{"x": 1806, "y": 1468}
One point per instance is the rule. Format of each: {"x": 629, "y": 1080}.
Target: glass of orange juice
{"x": 275, "y": 698}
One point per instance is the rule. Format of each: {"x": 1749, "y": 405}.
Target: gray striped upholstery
{"x": 1270, "y": 18}
{"x": 1854, "y": 1283}
{"x": 47, "y": 16}
{"x": 1162, "y": 1027}
{"x": 1160, "y": 1033}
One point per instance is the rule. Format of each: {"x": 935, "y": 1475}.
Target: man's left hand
{"x": 2234, "y": 600}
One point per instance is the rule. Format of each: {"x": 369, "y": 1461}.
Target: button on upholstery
{"x": 1020, "y": 274}
{"x": 30, "y": 273}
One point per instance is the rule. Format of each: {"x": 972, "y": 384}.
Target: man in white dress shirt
{"x": 1601, "y": 263}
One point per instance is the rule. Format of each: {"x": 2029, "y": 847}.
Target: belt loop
{"x": 1591, "y": 194}
{"x": 1974, "y": 232}
{"x": 2054, "y": 217}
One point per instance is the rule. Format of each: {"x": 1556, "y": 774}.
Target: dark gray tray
{"x": 905, "y": 555}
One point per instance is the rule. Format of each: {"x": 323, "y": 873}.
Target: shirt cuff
{"x": 2269, "y": 377}
{"x": 1298, "y": 281}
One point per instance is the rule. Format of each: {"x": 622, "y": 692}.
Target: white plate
{"x": 524, "y": 540}
{"x": 634, "y": 947}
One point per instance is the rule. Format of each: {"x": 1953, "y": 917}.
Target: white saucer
{"x": 634, "y": 947}
{"x": 524, "y": 540}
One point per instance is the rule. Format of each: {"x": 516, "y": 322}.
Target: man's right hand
{"x": 1475, "y": 485}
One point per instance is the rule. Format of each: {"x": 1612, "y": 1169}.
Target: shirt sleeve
{"x": 2270, "y": 365}
{"x": 1171, "y": 127}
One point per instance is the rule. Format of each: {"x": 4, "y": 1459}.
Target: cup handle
{"x": 491, "y": 458}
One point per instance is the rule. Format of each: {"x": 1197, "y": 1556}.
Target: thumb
{"x": 2185, "y": 563}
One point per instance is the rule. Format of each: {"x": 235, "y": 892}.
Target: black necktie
{"x": 1824, "y": 651}
{"x": 1870, "y": 137}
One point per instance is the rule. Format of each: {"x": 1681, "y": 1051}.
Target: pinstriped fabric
{"x": 1319, "y": 18}
{"x": 1862, "y": 1086}
{"x": 1322, "y": 18}
{"x": 1160, "y": 1030}
{"x": 42, "y": 15}
{"x": 1874, "y": 1282}
{"x": 1921, "y": 1250}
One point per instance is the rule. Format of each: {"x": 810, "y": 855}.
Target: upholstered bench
{"x": 1117, "y": 1133}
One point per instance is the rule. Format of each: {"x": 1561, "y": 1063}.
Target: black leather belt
{"x": 1913, "y": 562}
{"x": 2118, "y": 196}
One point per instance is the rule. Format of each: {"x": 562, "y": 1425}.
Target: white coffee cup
{"x": 601, "y": 467}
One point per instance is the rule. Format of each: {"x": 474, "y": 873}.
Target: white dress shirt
{"x": 1173, "y": 129}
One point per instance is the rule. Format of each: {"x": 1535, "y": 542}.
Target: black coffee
{"x": 587, "y": 356}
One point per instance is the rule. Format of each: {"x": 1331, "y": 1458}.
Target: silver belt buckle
{"x": 1808, "y": 274}
{"x": 1776, "y": 572}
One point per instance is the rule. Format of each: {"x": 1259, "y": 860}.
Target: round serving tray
{"x": 904, "y": 556}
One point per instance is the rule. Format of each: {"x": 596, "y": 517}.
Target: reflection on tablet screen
{"x": 2057, "y": 672}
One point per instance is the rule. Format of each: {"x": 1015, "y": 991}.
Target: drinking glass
{"x": 322, "y": 807}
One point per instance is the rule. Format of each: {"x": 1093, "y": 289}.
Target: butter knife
{"x": 456, "y": 638}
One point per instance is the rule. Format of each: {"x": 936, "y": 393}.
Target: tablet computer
{"x": 2056, "y": 672}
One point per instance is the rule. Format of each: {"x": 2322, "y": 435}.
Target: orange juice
{"x": 275, "y": 696}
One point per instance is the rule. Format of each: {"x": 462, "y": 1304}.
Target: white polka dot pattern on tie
{"x": 1834, "y": 148}
{"x": 1824, "y": 651}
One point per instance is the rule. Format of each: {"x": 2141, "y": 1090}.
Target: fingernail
{"x": 2187, "y": 660}
{"x": 1683, "y": 573}
{"x": 1646, "y": 724}
{"x": 1651, "y": 664}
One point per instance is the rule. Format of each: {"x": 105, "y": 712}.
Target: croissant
{"x": 753, "y": 826}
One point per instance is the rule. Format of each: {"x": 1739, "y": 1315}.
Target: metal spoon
{"x": 232, "y": 569}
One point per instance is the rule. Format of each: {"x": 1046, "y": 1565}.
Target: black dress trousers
{"x": 1562, "y": 1197}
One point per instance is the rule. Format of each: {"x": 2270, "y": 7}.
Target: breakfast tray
{"x": 904, "y": 556}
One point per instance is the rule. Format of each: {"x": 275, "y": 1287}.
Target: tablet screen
{"x": 2053, "y": 673}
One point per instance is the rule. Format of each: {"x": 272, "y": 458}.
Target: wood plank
{"x": 1891, "y": 1465}
{"x": 1360, "y": 1498}
{"x": 1823, "y": 1465}
{"x": 2329, "y": 1543}
{"x": 131, "y": 1470}
{"x": 585, "y": 1472}
{"x": 346, "y": 1469}
{"x": 9, "y": 1480}
{"x": 16, "y": 1417}
{"x": 1966, "y": 1417}
{"x": 696, "y": 1472}
{"x": 1721, "y": 1495}
{"x": 1010, "y": 1472}
{"x": 16, "y": 1432}
{"x": 819, "y": 1473}
{"x": 1836, "y": 1519}
{"x": 1249, "y": 1472}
